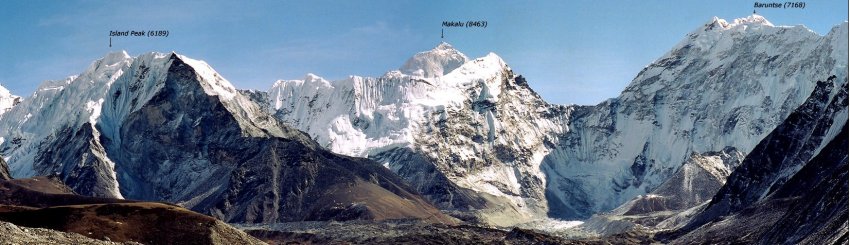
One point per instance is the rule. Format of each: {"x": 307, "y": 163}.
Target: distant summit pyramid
{"x": 434, "y": 63}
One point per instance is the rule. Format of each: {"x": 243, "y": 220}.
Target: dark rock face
{"x": 286, "y": 181}
{"x": 164, "y": 144}
{"x": 811, "y": 208}
{"x": 792, "y": 187}
{"x": 422, "y": 175}
{"x": 90, "y": 171}
{"x": 818, "y": 199}
{"x": 699, "y": 178}
{"x": 696, "y": 182}
{"x": 4, "y": 170}
{"x": 788, "y": 147}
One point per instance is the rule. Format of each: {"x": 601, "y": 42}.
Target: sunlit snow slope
{"x": 7, "y": 100}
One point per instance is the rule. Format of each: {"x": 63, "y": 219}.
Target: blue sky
{"x": 570, "y": 51}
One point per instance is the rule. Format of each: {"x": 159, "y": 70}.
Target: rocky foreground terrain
{"x": 42, "y": 210}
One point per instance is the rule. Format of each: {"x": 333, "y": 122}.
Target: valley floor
{"x": 416, "y": 232}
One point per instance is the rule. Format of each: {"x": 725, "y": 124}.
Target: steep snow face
{"x": 54, "y": 107}
{"x": 434, "y": 63}
{"x": 478, "y": 126}
{"x": 7, "y": 100}
{"x": 725, "y": 85}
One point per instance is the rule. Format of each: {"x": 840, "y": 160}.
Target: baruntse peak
{"x": 718, "y": 35}
{"x": 754, "y": 20}
{"x": 435, "y": 62}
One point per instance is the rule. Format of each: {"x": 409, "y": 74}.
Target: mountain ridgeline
{"x": 719, "y": 127}
{"x": 167, "y": 128}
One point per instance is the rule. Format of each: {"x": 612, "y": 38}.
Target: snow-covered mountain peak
{"x": 96, "y": 103}
{"x": 480, "y": 70}
{"x": 490, "y": 61}
{"x": 159, "y": 63}
{"x": 107, "y": 66}
{"x": 724, "y": 85}
{"x": 751, "y": 20}
{"x": 465, "y": 121}
{"x": 4, "y": 92}
{"x": 310, "y": 77}
{"x": 151, "y": 72}
{"x": 717, "y": 24}
{"x": 115, "y": 57}
{"x": 435, "y": 62}
{"x": 719, "y": 38}
{"x": 212, "y": 82}
{"x": 7, "y": 100}
{"x": 444, "y": 46}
